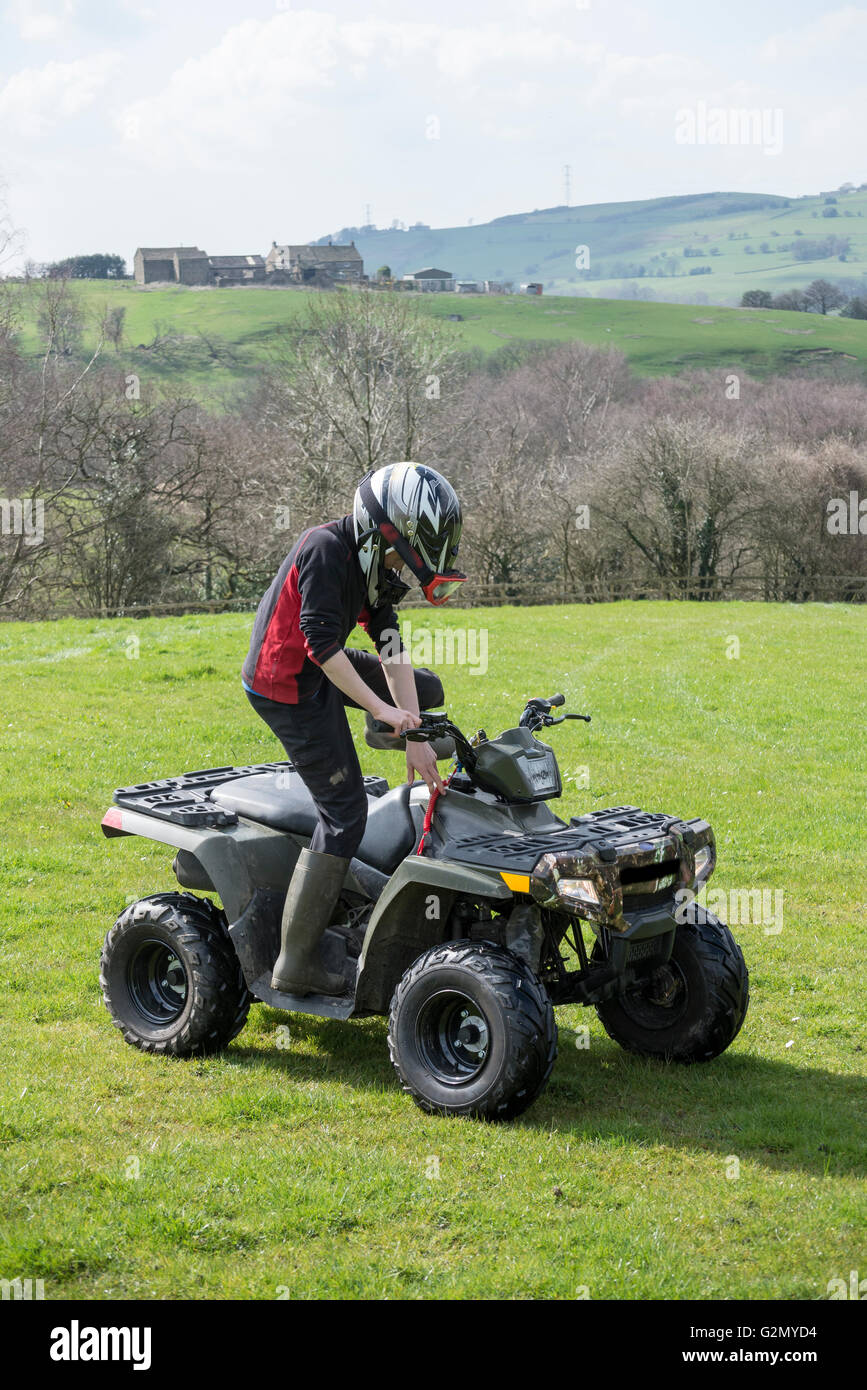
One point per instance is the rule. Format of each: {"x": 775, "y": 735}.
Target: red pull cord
{"x": 428, "y": 815}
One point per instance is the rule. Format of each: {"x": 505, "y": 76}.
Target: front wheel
{"x": 692, "y": 1008}
{"x": 471, "y": 1032}
{"x": 170, "y": 977}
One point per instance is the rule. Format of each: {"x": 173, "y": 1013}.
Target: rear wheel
{"x": 170, "y": 977}
{"x": 692, "y": 1008}
{"x": 472, "y": 1032}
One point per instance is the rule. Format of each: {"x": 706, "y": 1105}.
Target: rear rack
{"x": 186, "y": 800}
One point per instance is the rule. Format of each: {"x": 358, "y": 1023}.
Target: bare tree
{"x": 361, "y": 379}
{"x": 59, "y": 318}
{"x": 682, "y": 494}
{"x": 37, "y": 414}
{"x": 799, "y": 553}
{"x": 112, "y": 325}
{"x": 821, "y": 296}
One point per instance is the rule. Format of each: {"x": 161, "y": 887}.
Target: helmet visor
{"x": 441, "y": 588}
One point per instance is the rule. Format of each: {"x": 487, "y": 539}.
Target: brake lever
{"x": 431, "y": 725}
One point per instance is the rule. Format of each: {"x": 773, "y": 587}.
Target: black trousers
{"x": 318, "y": 741}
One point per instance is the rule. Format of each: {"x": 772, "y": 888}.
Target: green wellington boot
{"x": 313, "y": 892}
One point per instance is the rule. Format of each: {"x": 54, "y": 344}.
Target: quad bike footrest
{"x": 324, "y": 1005}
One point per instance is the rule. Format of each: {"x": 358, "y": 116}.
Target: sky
{"x": 231, "y": 125}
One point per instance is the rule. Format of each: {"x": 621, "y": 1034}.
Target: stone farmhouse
{"x": 303, "y": 263}
{"x": 180, "y": 265}
{"x": 189, "y": 265}
{"x": 237, "y": 270}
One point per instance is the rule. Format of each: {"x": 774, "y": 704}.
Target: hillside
{"x": 218, "y": 339}
{"x": 723, "y": 231}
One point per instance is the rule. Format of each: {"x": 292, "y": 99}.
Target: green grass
{"x": 304, "y": 1168}
{"x": 658, "y": 339}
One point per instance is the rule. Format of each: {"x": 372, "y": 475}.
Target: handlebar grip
{"x": 379, "y": 726}
{"x": 556, "y": 700}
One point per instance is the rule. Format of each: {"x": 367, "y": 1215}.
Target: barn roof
{"x": 160, "y": 253}
{"x": 235, "y": 262}
{"x": 321, "y": 253}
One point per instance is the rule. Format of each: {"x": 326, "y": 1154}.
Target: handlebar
{"x": 379, "y": 726}
{"x": 536, "y": 716}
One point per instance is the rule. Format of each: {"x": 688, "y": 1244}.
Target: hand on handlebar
{"x": 398, "y": 720}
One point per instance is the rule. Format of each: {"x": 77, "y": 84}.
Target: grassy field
{"x": 302, "y": 1171}
{"x": 213, "y": 340}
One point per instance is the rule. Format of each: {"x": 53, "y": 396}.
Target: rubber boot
{"x": 442, "y": 747}
{"x": 310, "y": 902}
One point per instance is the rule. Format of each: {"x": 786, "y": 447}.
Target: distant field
{"x": 301, "y": 1170}
{"x": 220, "y": 337}
{"x": 541, "y": 245}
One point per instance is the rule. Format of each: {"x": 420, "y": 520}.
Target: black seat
{"x": 389, "y": 835}
{"x": 281, "y": 801}
{"x": 278, "y": 799}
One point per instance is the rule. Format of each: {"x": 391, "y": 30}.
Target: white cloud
{"x": 35, "y": 99}
{"x": 837, "y": 128}
{"x": 265, "y": 78}
{"x": 541, "y": 9}
{"x": 40, "y": 22}
{"x": 839, "y": 29}
{"x": 646, "y": 80}
{"x": 246, "y": 91}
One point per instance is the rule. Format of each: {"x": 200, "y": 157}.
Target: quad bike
{"x": 464, "y": 918}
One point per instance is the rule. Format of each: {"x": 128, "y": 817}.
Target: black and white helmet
{"x": 412, "y": 509}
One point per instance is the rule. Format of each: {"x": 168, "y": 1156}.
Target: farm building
{"x": 237, "y": 270}
{"x": 430, "y": 278}
{"x": 179, "y": 265}
{"x": 342, "y": 263}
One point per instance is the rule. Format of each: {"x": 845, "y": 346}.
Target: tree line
{"x": 578, "y": 478}
{"x": 819, "y": 297}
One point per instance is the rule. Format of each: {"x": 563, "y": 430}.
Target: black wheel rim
{"x": 453, "y": 1036}
{"x": 661, "y": 1002}
{"x": 158, "y": 983}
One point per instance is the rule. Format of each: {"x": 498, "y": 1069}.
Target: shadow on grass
{"x": 786, "y": 1117}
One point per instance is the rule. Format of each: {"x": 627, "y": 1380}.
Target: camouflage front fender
{"x": 411, "y": 916}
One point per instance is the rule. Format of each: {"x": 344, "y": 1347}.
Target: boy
{"x": 299, "y": 678}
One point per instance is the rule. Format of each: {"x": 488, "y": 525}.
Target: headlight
{"x": 578, "y": 890}
{"x": 573, "y": 892}
{"x": 704, "y": 862}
